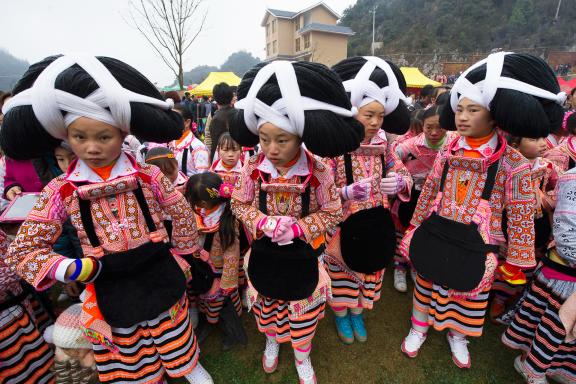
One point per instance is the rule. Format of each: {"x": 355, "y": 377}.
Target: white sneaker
{"x": 459, "y": 348}
{"x": 270, "y": 357}
{"x": 521, "y": 369}
{"x": 305, "y": 371}
{"x": 199, "y": 376}
{"x": 412, "y": 343}
{"x": 400, "y": 280}
{"x": 193, "y": 316}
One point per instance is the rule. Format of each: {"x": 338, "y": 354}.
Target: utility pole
{"x": 373, "y": 26}
{"x": 558, "y": 10}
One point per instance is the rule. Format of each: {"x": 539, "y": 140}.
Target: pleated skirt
{"x": 464, "y": 315}
{"x": 150, "y": 349}
{"x": 347, "y": 291}
{"x": 538, "y": 331}
{"x": 273, "y": 317}
{"x": 24, "y": 355}
{"x": 212, "y": 308}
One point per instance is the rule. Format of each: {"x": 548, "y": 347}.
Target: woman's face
{"x": 229, "y": 155}
{"x": 279, "y": 146}
{"x": 472, "y": 119}
{"x": 371, "y": 116}
{"x": 96, "y": 143}
{"x": 64, "y": 157}
{"x": 432, "y": 130}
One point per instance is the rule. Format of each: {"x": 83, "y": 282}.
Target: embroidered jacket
{"x": 228, "y": 175}
{"x": 512, "y": 191}
{"x": 544, "y": 180}
{"x": 118, "y": 220}
{"x": 563, "y": 154}
{"x": 366, "y": 163}
{"x": 565, "y": 219}
{"x": 284, "y": 195}
{"x": 226, "y": 262}
{"x": 197, "y": 157}
{"x": 418, "y": 157}
{"x": 9, "y": 281}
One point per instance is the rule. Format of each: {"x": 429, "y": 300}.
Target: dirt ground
{"x": 379, "y": 360}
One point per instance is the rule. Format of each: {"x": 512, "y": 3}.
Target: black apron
{"x": 284, "y": 272}
{"x": 367, "y": 237}
{"x": 202, "y": 274}
{"x": 449, "y": 253}
{"x": 139, "y": 284}
{"x": 406, "y": 208}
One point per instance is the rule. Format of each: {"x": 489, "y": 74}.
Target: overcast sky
{"x": 34, "y": 29}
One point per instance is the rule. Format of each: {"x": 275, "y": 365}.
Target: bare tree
{"x": 170, "y": 27}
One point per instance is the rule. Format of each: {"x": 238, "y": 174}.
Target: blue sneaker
{"x": 358, "y": 327}
{"x": 344, "y": 329}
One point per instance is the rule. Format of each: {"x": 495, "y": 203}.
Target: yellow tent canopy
{"x": 416, "y": 79}
{"x": 205, "y": 87}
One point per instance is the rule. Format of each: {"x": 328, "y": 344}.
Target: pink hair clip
{"x": 225, "y": 190}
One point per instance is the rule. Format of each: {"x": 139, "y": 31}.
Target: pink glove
{"x": 392, "y": 184}
{"x": 269, "y": 225}
{"x": 286, "y": 233}
{"x": 357, "y": 191}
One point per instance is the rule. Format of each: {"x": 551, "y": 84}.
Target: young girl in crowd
{"x": 24, "y": 355}
{"x": 135, "y": 311}
{"x": 543, "y": 328}
{"x": 228, "y": 165}
{"x": 287, "y": 199}
{"x": 209, "y": 196}
{"x": 164, "y": 159}
{"x": 358, "y": 252}
{"x": 418, "y": 154}
{"x": 456, "y": 228}
{"x": 544, "y": 178}
{"x": 191, "y": 153}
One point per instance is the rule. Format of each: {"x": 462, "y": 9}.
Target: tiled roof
{"x": 283, "y": 14}
{"x": 327, "y": 28}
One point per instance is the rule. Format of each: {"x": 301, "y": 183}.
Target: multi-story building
{"x": 309, "y": 35}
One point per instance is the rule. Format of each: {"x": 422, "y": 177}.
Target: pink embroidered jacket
{"x": 366, "y": 163}
{"x": 9, "y": 281}
{"x": 284, "y": 196}
{"x": 545, "y": 176}
{"x": 228, "y": 176}
{"x": 418, "y": 157}
{"x": 512, "y": 191}
{"x": 118, "y": 220}
{"x": 563, "y": 153}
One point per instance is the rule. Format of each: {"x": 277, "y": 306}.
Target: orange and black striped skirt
{"x": 148, "y": 350}
{"x": 24, "y": 355}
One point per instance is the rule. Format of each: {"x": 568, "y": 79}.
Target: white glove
{"x": 357, "y": 191}
{"x": 392, "y": 184}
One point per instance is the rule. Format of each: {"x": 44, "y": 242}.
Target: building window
{"x": 273, "y": 26}
{"x": 297, "y": 44}
{"x": 274, "y": 46}
{"x": 307, "y": 41}
{"x": 268, "y": 49}
{"x": 267, "y": 29}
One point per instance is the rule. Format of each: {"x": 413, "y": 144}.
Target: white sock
{"x": 302, "y": 353}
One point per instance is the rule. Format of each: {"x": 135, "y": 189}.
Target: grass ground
{"x": 379, "y": 360}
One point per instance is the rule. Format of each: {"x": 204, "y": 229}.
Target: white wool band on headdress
{"x": 484, "y": 91}
{"x": 286, "y": 113}
{"x": 48, "y": 103}
{"x": 364, "y": 91}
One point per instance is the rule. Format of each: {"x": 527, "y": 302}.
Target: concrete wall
{"x": 328, "y": 48}
{"x": 321, "y": 15}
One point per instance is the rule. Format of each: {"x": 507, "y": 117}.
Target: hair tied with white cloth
{"x": 483, "y": 92}
{"x": 287, "y": 113}
{"x": 364, "y": 91}
{"x": 110, "y": 103}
